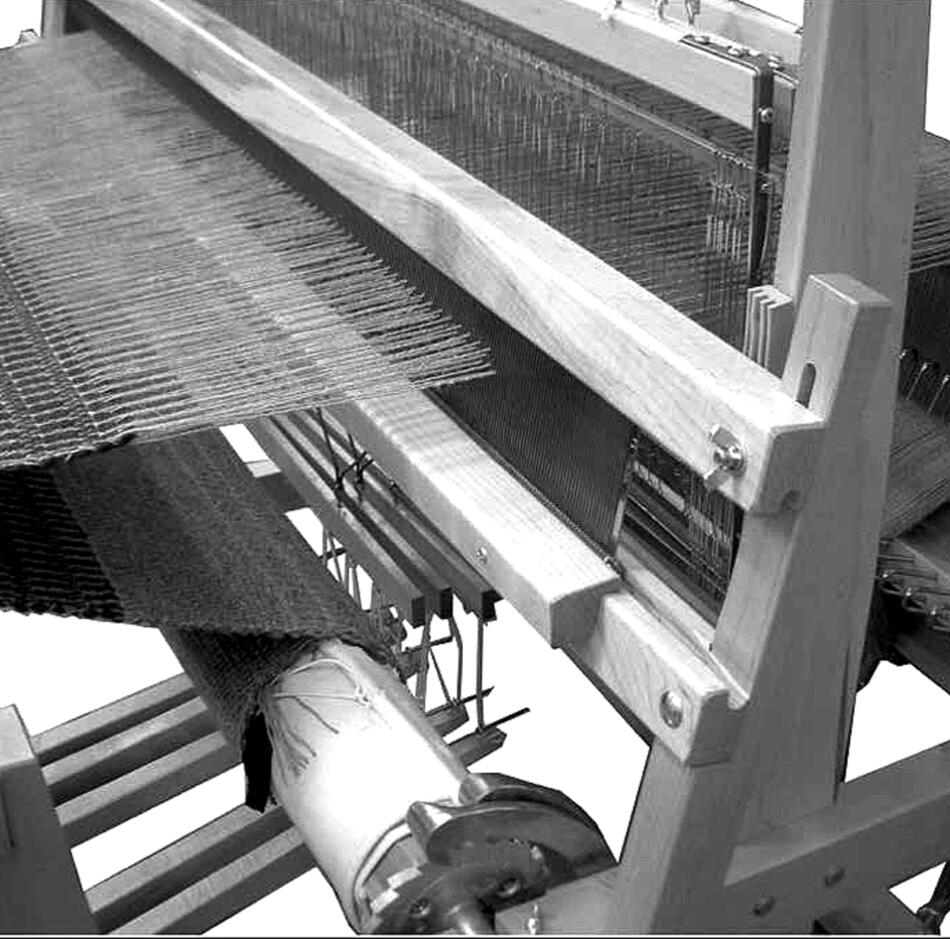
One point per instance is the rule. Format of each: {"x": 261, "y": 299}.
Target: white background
{"x": 56, "y": 669}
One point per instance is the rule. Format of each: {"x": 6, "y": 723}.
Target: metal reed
{"x": 155, "y": 279}
{"x": 653, "y": 186}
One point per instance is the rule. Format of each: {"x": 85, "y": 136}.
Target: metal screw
{"x": 764, "y": 906}
{"x": 766, "y": 115}
{"x": 728, "y": 457}
{"x": 702, "y": 39}
{"x": 482, "y": 555}
{"x": 834, "y": 876}
{"x": 737, "y": 51}
{"x": 420, "y": 909}
{"x": 671, "y": 709}
{"x": 777, "y": 62}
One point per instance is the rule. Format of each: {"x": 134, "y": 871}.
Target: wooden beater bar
{"x": 672, "y": 377}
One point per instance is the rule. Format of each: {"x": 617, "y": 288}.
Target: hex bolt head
{"x": 764, "y": 906}
{"x": 671, "y": 709}
{"x": 482, "y": 555}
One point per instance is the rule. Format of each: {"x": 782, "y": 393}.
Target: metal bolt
{"x": 671, "y": 709}
{"x": 482, "y": 555}
{"x": 702, "y": 39}
{"x": 777, "y": 62}
{"x": 766, "y": 115}
{"x": 420, "y": 909}
{"x": 728, "y": 457}
{"x": 764, "y": 906}
{"x": 737, "y": 51}
{"x": 834, "y": 876}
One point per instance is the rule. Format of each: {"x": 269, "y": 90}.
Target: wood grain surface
{"x": 661, "y": 369}
{"x": 641, "y": 658}
{"x": 39, "y": 887}
{"x": 517, "y": 544}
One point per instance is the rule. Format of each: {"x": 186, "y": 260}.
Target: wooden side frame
{"x": 39, "y": 886}
{"x": 790, "y": 663}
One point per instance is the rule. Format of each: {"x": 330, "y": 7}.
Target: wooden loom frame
{"x": 742, "y": 822}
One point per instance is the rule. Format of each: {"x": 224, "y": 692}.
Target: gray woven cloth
{"x": 178, "y": 535}
{"x": 191, "y": 544}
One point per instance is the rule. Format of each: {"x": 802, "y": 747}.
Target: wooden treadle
{"x": 114, "y": 763}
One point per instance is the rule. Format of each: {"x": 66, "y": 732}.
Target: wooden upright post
{"x": 39, "y": 887}
{"x": 849, "y": 204}
{"x": 780, "y": 637}
{"x": 53, "y": 22}
{"x": 793, "y": 622}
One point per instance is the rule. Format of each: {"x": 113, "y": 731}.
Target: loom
{"x": 596, "y": 308}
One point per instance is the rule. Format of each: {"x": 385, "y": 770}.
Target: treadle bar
{"x": 128, "y": 712}
{"x": 149, "y": 785}
{"x": 130, "y": 894}
{"x": 226, "y": 891}
{"x": 84, "y": 770}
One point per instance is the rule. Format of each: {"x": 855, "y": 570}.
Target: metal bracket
{"x": 762, "y": 120}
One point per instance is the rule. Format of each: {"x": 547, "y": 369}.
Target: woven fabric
{"x": 46, "y": 562}
{"x": 156, "y": 279}
{"x": 188, "y": 540}
{"x": 178, "y": 535}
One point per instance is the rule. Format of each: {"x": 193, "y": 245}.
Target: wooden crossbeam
{"x": 91, "y": 728}
{"x": 226, "y": 891}
{"x": 84, "y": 770}
{"x": 553, "y": 578}
{"x": 664, "y": 371}
{"x": 165, "y": 875}
{"x": 885, "y": 827}
{"x": 100, "y": 809}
